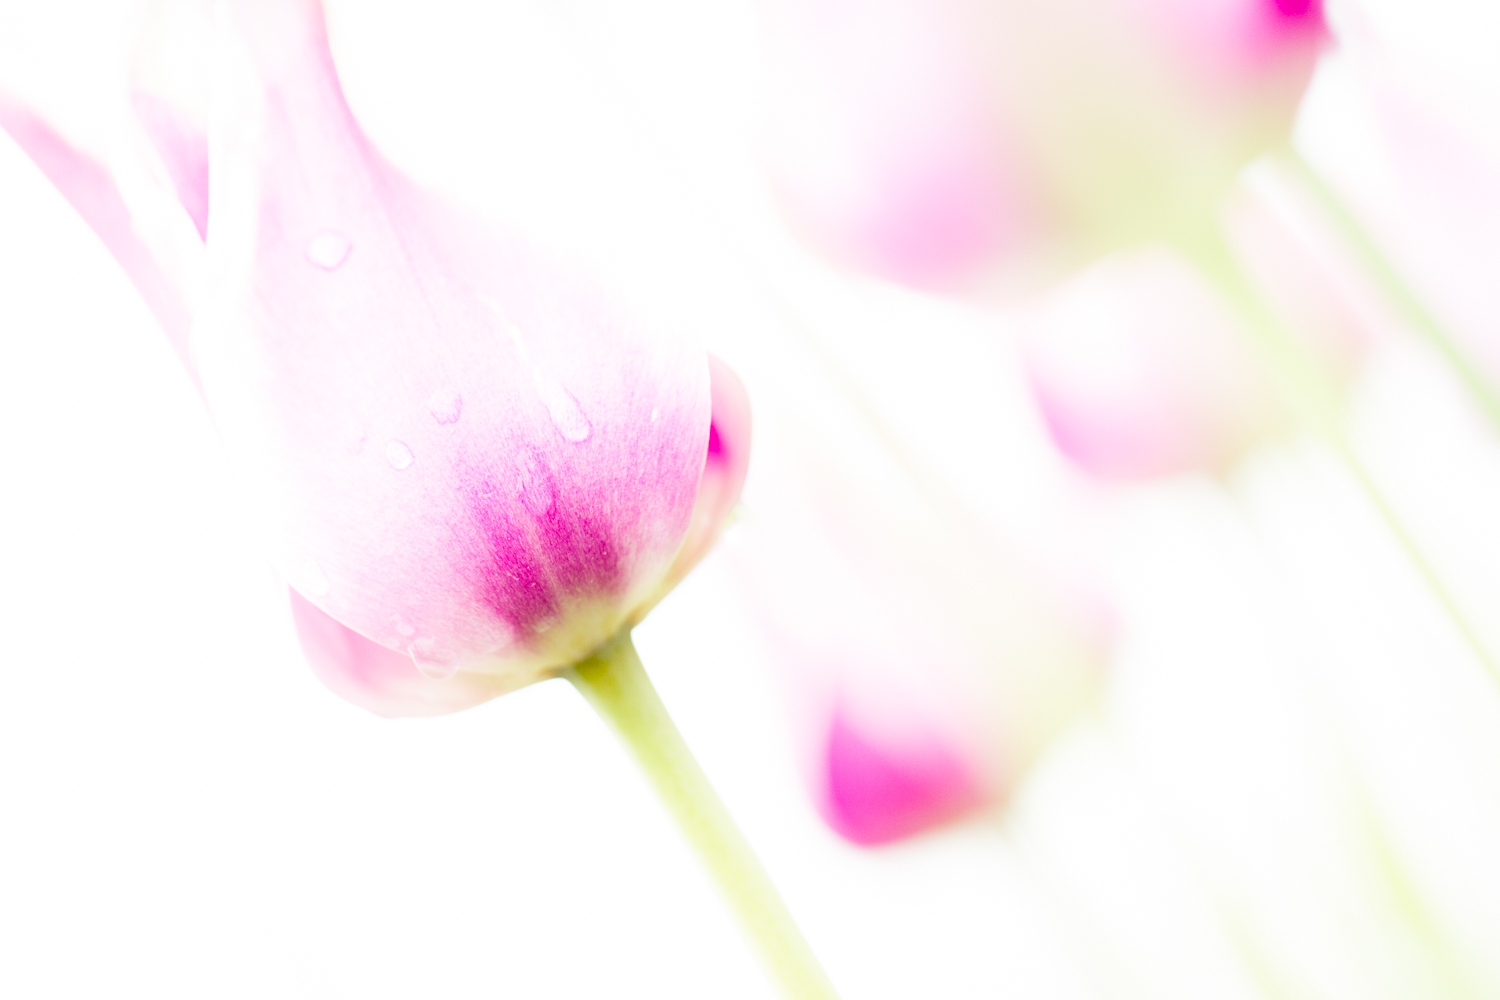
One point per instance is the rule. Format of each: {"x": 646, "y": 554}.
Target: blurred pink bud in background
{"x": 927, "y": 664}
{"x": 475, "y": 465}
{"x": 974, "y": 144}
{"x": 1140, "y": 368}
{"x": 1139, "y": 371}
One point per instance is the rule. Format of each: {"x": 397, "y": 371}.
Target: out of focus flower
{"x": 1415, "y": 157}
{"x": 474, "y": 464}
{"x": 1140, "y": 368}
{"x": 965, "y": 145}
{"x": 927, "y": 663}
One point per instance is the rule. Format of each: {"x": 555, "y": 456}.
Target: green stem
{"x": 616, "y": 685}
{"x": 1317, "y": 403}
{"x": 1378, "y": 267}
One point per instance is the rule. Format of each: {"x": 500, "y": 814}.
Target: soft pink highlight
{"x": 881, "y": 145}
{"x": 1140, "y": 370}
{"x": 876, "y": 793}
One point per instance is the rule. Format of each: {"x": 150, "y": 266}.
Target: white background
{"x": 1292, "y": 787}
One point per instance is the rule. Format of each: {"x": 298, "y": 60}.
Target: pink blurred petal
{"x": 1140, "y": 370}
{"x": 926, "y": 664}
{"x": 975, "y": 147}
{"x": 1434, "y": 208}
{"x": 374, "y": 677}
{"x": 92, "y": 192}
{"x": 878, "y": 793}
{"x": 879, "y": 140}
{"x": 183, "y": 150}
{"x": 724, "y": 468}
{"x": 468, "y": 453}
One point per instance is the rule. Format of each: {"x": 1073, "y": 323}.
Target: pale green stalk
{"x": 1406, "y": 303}
{"x": 1317, "y": 403}
{"x": 616, "y": 685}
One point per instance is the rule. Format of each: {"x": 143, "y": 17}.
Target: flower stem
{"x": 1407, "y": 304}
{"x": 616, "y": 685}
{"x": 1317, "y": 403}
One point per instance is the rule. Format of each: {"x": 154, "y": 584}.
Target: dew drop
{"x": 563, "y": 408}
{"x": 398, "y": 454}
{"x": 445, "y": 406}
{"x": 328, "y": 249}
{"x": 655, "y": 412}
{"x": 404, "y": 629}
{"x": 433, "y": 663}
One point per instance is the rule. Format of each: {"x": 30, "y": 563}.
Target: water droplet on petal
{"x": 398, "y": 454}
{"x": 404, "y": 628}
{"x": 328, "y": 249}
{"x": 445, "y": 406}
{"x": 655, "y": 412}
{"x": 434, "y": 663}
{"x": 563, "y": 408}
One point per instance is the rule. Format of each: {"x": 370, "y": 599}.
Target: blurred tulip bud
{"x": 927, "y": 664}
{"x": 973, "y": 145}
{"x": 1140, "y": 368}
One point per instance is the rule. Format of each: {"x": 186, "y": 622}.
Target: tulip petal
{"x": 93, "y": 193}
{"x": 987, "y": 147}
{"x": 724, "y": 468}
{"x": 382, "y": 680}
{"x": 184, "y": 152}
{"x": 876, "y": 793}
{"x": 1140, "y": 370}
{"x": 926, "y": 663}
{"x": 474, "y": 454}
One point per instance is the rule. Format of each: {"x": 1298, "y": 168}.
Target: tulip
{"x": 476, "y": 466}
{"x": 926, "y": 664}
{"x": 1138, "y": 371}
{"x": 969, "y": 146}
{"x": 1140, "y": 368}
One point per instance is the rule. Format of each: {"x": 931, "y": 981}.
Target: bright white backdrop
{"x": 187, "y": 813}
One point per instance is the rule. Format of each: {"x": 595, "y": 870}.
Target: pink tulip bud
{"x": 475, "y": 466}
{"x": 926, "y": 663}
{"x": 960, "y": 145}
{"x": 1139, "y": 370}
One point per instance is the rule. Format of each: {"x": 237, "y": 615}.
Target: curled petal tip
{"x": 373, "y": 677}
{"x": 726, "y": 461}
